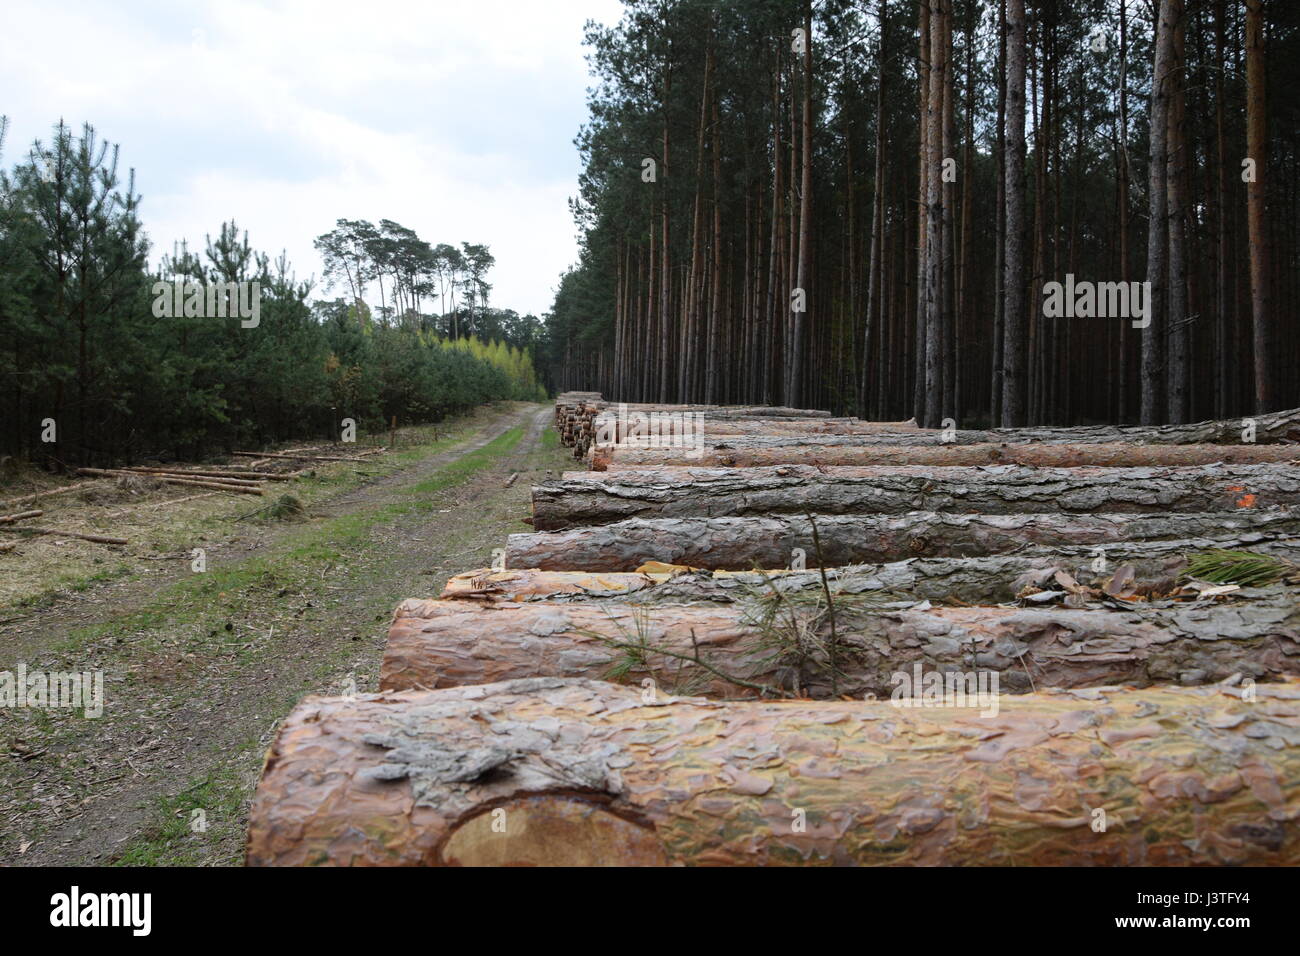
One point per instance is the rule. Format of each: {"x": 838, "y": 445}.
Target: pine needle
{"x": 1244, "y": 568}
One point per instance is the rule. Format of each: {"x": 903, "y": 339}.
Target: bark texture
{"x": 1155, "y": 567}
{"x": 454, "y": 643}
{"x": 585, "y": 772}
{"x": 745, "y": 543}
{"x": 853, "y": 452}
{"x": 581, "y": 498}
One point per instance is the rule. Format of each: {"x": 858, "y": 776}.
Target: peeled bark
{"x": 584, "y": 498}
{"x": 850, "y": 451}
{"x": 588, "y": 773}
{"x": 454, "y": 643}
{"x": 989, "y": 579}
{"x": 743, "y": 543}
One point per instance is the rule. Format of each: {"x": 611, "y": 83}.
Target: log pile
{"x": 821, "y": 640}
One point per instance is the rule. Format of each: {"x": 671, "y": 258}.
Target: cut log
{"x": 7, "y": 546}
{"x": 46, "y": 494}
{"x": 580, "y": 772}
{"x": 240, "y": 487}
{"x": 20, "y": 516}
{"x": 746, "y": 543}
{"x": 584, "y": 498}
{"x": 1283, "y": 426}
{"x": 267, "y": 454}
{"x": 749, "y": 647}
{"x": 1151, "y": 567}
{"x": 64, "y": 533}
{"x": 738, "y": 455}
{"x": 247, "y": 476}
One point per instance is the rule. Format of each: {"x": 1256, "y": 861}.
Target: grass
{"x": 196, "y": 612}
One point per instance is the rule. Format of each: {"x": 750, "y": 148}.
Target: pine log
{"x": 247, "y": 476}
{"x": 745, "y": 543}
{"x": 64, "y": 533}
{"x": 1150, "y": 567}
{"x": 19, "y": 516}
{"x": 738, "y": 455}
{"x": 728, "y": 650}
{"x": 267, "y": 454}
{"x": 583, "y": 498}
{"x": 46, "y": 493}
{"x": 242, "y": 487}
{"x": 587, "y": 773}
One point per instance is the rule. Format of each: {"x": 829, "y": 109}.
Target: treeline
{"x": 94, "y": 371}
{"x": 862, "y": 206}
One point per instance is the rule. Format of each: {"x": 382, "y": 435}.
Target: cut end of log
{"x": 552, "y": 830}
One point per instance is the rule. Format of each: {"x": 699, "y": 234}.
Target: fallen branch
{"x": 19, "y": 516}
{"x": 98, "y": 538}
{"x": 246, "y": 488}
{"x": 267, "y": 454}
{"x": 43, "y": 494}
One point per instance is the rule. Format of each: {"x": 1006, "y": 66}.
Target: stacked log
{"x": 727, "y": 650}
{"x": 1022, "y": 598}
{"x": 744, "y": 543}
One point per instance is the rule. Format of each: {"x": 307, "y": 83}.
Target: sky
{"x": 455, "y": 119}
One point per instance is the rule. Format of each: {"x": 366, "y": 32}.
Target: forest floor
{"x": 200, "y": 668}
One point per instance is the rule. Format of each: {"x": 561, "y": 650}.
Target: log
{"x": 1283, "y": 426}
{"x": 737, "y": 455}
{"x": 583, "y": 498}
{"x": 993, "y": 579}
{"x": 589, "y": 773}
{"x": 245, "y": 488}
{"x": 20, "y": 516}
{"x": 267, "y": 454}
{"x": 210, "y": 473}
{"x": 62, "y": 532}
{"x": 7, "y": 546}
{"x": 745, "y": 543}
{"x": 732, "y": 650}
{"x": 45, "y": 494}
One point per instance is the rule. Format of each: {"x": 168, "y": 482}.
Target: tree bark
{"x": 1155, "y": 334}
{"x": 727, "y": 650}
{"x": 1013, "y": 285}
{"x": 584, "y": 498}
{"x": 770, "y": 542}
{"x": 571, "y": 773}
{"x": 988, "y": 579}
{"x": 853, "y": 450}
{"x": 1257, "y": 203}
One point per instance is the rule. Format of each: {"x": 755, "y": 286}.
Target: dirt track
{"x": 198, "y": 673}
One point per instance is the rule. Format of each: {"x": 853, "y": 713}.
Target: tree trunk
{"x": 771, "y": 542}
{"x": 584, "y": 498}
{"x": 851, "y": 450}
{"x": 567, "y": 772}
{"x": 1155, "y": 334}
{"x": 1156, "y": 568}
{"x": 1013, "y": 284}
{"x": 749, "y": 647}
{"x": 1257, "y": 203}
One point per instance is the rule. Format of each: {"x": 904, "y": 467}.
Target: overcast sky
{"x": 453, "y": 118}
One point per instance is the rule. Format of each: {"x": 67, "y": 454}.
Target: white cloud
{"x": 455, "y": 119}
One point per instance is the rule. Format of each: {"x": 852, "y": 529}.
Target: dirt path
{"x": 199, "y": 669}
